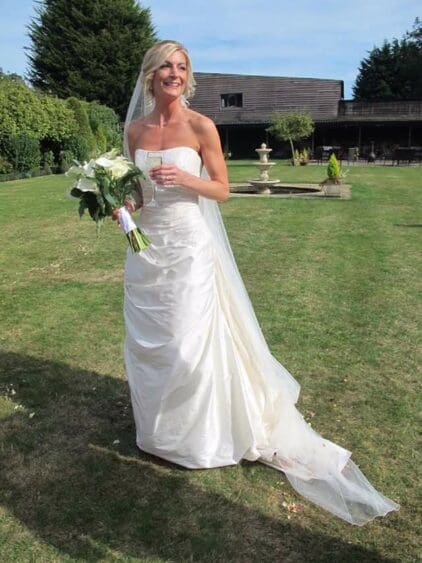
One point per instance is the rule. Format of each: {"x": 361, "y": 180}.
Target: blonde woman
{"x": 206, "y": 391}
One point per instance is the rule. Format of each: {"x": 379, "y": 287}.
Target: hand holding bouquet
{"x": 103, "y": 185}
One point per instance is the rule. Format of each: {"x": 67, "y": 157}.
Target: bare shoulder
{"x": 201, "y": 123}
{"x": 135, "y": 127}
{"x": 203, "y": 127}
{"x": 135, "y": 132}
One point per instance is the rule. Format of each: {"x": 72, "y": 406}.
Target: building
{"x": 241, "y": 106}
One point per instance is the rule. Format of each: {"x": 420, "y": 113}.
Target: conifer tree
{"x": 393, "y": 71}
{"x": 90, "y": 49}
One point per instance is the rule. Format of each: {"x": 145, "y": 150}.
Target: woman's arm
{"x": 213, "y": 159}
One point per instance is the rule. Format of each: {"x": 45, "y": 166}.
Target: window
{"x": 231, "y": 100}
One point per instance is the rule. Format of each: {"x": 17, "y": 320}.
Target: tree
{"x": 292, "y": 126}
{"x": 89, "y": 49}
{"x": 416, "y": 34}
{"x": 393, "y": 71}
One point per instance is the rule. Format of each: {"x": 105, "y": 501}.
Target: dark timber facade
{"x": 241, "y": 106}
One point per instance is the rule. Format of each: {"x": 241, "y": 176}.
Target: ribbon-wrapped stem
{"x": 137, "y": 239}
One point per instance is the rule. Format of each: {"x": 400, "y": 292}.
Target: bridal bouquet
{"x": 103, "y": 185}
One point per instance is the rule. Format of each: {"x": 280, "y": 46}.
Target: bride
{"x": 206, "y": 391}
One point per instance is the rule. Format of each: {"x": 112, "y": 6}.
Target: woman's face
{"x": 170, "y": 78}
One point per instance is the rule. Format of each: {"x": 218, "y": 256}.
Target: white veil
{"x": 318, "y": 469}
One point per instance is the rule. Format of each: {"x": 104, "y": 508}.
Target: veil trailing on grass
{"x": 317, "y": 468}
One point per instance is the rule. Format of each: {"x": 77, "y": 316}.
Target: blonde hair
{"x": 156, "y": 56}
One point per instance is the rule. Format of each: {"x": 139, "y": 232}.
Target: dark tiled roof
{"x": 264, "y": 94}
{"x": 394, "y": 111}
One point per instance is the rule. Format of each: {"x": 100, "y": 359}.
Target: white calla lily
{"x": 120, "y": 168}
{"x": 89, "y": 169}
{"x": 87, "y": 185}
{"x": 104, "y": 162}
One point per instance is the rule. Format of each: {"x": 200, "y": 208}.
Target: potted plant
{"x": 304, "y": 157}
{"x": 334, "y": 177}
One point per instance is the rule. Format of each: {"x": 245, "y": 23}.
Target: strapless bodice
{"x": 185, "y": 158}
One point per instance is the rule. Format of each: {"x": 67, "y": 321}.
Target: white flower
{"x": 104, "y": 162}
{"x": 87, "y": 169}
{"x": 120, "y": 168}
{"x": 87, "y": 185}
{"x": 117, "y": 167}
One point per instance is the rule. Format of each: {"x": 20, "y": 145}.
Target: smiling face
{"x": 167, "y": 71}
{"x": 170, "y": 78}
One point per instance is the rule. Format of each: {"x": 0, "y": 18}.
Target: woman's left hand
{"x": 168, "y": 175}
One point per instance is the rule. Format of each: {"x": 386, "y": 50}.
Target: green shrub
{"x": 5, "y": 166}
{"x": 48, "y": 162}
{"x": 101, "y": 139}
{"x": 333, "y": 167}
{"x": 78, "y": 147}
{"x": 108, "y": 120}
{"x": 61, "y": 119}
{"x": 82, "y": 141}
{"x": 22, "y": 151}
{"x": 66, "y": 158}
{"x": 29, "y": 113}
{"x": 21, "y": 110}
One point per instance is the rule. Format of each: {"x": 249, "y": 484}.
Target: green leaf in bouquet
{"x": 90, "y": 202}
{"x": 75, "y": 192}
{"x": 82, "y": 207}
{"x": 99, "y": 224}
{"x": 100, "y": 201}
{"x": 108, "y": 196}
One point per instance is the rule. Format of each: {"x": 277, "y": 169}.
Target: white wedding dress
{"x": 201, "y": 396}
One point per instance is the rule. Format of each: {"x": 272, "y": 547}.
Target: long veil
{"x": 317, "y": 468}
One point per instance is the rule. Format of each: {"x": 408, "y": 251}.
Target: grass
{"x": 335, "y": 287}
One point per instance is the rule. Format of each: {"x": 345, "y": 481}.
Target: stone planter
{"x": 331, "y": 187}
{"x": 332, "y": 190}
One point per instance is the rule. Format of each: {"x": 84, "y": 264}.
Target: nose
{"x": 174, "y": 70}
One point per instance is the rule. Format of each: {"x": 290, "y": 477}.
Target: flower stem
{"x": 138, "y": 241}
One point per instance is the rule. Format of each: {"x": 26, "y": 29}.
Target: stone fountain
{"x": 263, "y": 183}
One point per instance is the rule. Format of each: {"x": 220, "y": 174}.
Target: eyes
{"x": 169, "y": 65}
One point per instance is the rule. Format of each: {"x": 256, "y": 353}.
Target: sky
{"x": 300, "y": 38}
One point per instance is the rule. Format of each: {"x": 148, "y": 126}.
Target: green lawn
{"x": 335, "y": 287}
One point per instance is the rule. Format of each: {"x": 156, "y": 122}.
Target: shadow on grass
{"x": 65, "y": 480}
{"x": 405, "y": 225}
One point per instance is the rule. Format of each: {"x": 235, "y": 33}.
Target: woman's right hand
{"x": 115, "y": 214}
{"x": 130, "y": 206}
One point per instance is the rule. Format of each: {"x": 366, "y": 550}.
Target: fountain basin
{"x": 263, "y": 186}
{"x": 288, "y": 190}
